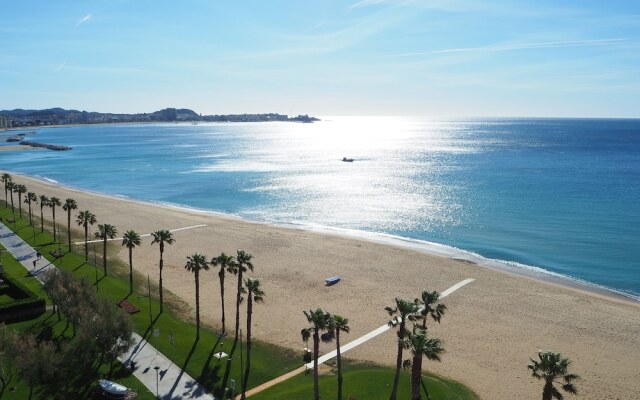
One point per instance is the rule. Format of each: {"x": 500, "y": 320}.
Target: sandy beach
{"x": 492, "y": 326}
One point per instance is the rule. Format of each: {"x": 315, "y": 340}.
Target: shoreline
{"x": 431, "y": 248}
{"x": 491, "y": 328}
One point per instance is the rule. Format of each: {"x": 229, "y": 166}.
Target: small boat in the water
{"x": 333, "y": 280}
{"x": 112, "y": 387}
{"x": 345, "y": 159}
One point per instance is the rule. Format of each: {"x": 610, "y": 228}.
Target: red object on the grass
{"x": 128, "y": 307}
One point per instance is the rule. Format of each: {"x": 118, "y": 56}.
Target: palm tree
{"x": 420, "y": 345}
{"x": 161, "y": 237}
{"x": 402, "y": 311}
{"x": 105, "y": 232}
{"x": 255, "y": 294}
{"x": 9, "y": 186}
{"x": 53, "y": 202}
{"x": 131, "y": 239}
{"x": 30, "y": 198}
{"x": 69, "y": 205}
{"x": 227, "y": 264}
{"x": 430, "y": 307}
{"x": 243, "y": 262}
{"x": 44, "y": 202}
{"x": 85, "y": 218}
{"x": 20, "y": 189}
{"x": 195, "y": 264}
{"x": 551, "y": 367}
{"x": 339, "y": 324}
{"x": 6, "y": 178}
{"x": 320, "y": 322}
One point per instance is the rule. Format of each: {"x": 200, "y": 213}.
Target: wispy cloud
{"x": 83, "y": 20}
{"x": 521, "y": 46}
{"x": 365, "y": 3}
{"x": 61, "y": 66}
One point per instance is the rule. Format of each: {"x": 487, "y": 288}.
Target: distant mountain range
{"x": 59, "y": 116}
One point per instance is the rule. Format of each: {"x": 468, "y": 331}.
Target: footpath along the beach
{"x": 168, "y": 380}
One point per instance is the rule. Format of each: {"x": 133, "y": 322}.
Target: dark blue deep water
{"x": 562, "y": 195}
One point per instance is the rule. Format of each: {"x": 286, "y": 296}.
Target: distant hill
{"x": 59, "y": 116}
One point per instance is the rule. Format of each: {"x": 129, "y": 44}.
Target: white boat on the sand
{"x": 333, "y": 280}
{"x": 112, "y": 387}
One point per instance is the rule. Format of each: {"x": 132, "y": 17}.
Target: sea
{"x": 558, "y": 197}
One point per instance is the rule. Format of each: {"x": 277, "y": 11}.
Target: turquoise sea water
{"x": 562, "y": 195}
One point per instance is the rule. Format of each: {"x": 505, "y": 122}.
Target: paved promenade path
{"x": 24, "y": 253}
{"x": 172, "y": 382}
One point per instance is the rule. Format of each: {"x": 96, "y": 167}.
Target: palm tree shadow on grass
{"x": 96, "y": 283}
{"x": 81, "y": 265}
{"x": 220, "y": 390}
{"x": 145, "y": 335}
{"x": 183, "y": 368}
{"x": 209, "y": 376}
{"x": 148, "y": 331}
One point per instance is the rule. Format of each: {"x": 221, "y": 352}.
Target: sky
{"x": 430, "y": 58}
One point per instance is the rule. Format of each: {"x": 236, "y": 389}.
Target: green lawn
{"x": 364, "y": 382}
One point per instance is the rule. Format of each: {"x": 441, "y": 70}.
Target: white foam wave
{"x": 466, "y": 255}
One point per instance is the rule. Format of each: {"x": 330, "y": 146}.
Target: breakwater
{"x": 45, "y": 145}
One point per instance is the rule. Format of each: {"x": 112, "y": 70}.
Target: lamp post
{"x": 157, "y": 369}
{"x": 149, "y": 295}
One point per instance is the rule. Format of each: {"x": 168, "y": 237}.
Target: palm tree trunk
{"x": 316, "y": 351}
{"x": 20, "y": 203}
{"x": 69, "y": 227}
{"x": 104, "y": 255}
{"x": 41, "y": 218}
{"x": 396, "y": 380}
{"x": 339, "y": 360}
{"x": 238, "y": 299}
{"x": 248, "y": 365}
{"x": 53, "y": 209}
{"x": 86, "y": 244}
{"x": 416, "y": 375}
{"x": 221, "y": 275}
{"x": 547, "y": 392}
{"x": 197, "y": 305}
{"x": 130, "y": 269}
{"x": 13, "y": 209}
{"x": 30, "y": 219}
{"x": 160, "y": 280}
